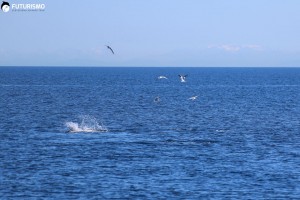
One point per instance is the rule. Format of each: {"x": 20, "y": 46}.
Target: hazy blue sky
{"x": 153, "y": 33}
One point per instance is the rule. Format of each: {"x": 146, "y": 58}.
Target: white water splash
{"x": 87, "y": 124}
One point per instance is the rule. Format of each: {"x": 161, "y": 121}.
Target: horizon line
{"x": 82, "y": 66}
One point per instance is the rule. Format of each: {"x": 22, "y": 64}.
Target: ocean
{"x": 122, "y": 133}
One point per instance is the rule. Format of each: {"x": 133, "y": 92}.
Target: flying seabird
{"x": 162, "y": 77}
{"x": 182, "y": 78}
{"x": 193, "y": 98}
{"x": 157, "y": 99}
{"x": 110, "y": 49}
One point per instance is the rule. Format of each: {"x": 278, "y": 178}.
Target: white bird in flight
{"x": 182, "y": 78}
{"x": 193, "y": 98}
{"x": 162, "y": 77}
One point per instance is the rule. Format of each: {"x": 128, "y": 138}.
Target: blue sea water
{"x": 240, "y": 139}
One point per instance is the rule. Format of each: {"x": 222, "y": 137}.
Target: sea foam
{"x": 88, "y": 124}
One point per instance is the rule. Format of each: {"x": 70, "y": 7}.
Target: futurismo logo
{"x": 5, "y": 6}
